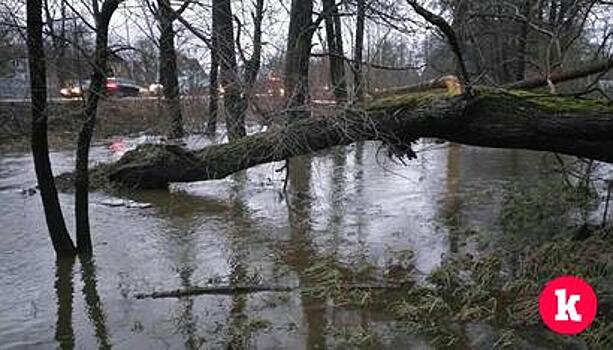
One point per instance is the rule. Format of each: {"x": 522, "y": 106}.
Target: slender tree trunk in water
{"x": 230, "y": 82}
{"x": 84, "y": 242}
{"x": 168, "y": 69}
{"x": 335, "y": 50}
{"x": 40, "y": 148}
{"x": 298, "y": 53}
{"x": 358, "y": 73}
{"x": 211, "y": 126}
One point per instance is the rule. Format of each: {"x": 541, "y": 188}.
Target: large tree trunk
{"x": 335, "y": 50}
{"x": 230, "y": 82}
{"x": 168, "y": 69}
{"x": 40, "y": 149}
{"x": 491, "y": 119}
{"x": 358, "y": 74}
{"x": 297, "y": 56}
{"x": 103, "y": 18}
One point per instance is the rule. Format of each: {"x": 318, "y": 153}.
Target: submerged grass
{"x": 471, "y": 291}
{"x": 502, "y": 288}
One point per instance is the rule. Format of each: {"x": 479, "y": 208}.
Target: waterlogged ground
{"x": 350, "y": 208}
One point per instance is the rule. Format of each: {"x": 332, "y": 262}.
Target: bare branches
{"x": 370, "y": 64}
{"x": 450, "y": 34}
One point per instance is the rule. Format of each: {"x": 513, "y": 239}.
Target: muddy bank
{"x": 116, "y": 117}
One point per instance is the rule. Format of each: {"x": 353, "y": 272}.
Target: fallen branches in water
{"x": 217, "y": 290}
{"x": 243, "y": 289}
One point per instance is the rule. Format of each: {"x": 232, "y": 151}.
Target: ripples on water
{"x": 345, "y": 203}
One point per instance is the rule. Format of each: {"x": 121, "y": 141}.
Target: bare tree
{"x": 450, "y": 35}
{"x": 213, "y": 79}
{"x": 334, "y": 41}
{"x": 168, "y": 69}
{"x": 301, "y": 29}
{"x": 358, "y": 74}
{"x": 252, "y": 65}
{"x": 62, "y": 243}
{"x": 230, "y": 80}
{"x": 523, "y": 40}
{"x": 103, "y": 18}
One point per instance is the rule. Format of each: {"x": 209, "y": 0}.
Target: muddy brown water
{"x": 350, "y": 203}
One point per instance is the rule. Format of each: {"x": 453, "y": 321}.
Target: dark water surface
{"x": 348, "y": 204}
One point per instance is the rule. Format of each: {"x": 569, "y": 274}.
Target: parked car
{"x": 115, "y": 87}
{"x": 156, "y": 89}
{"x": 75, "y": 89}
{"x": 121, "y": 87}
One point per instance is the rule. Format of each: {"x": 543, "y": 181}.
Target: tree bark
{"x": 168, "y": 69}
{"x": 213, "y": 79}
{"x": 358, "y": 74}
{"x": 297, "y": 57}
{"x": 491, "y": 119}
{"x": 230, "y": 81}
{"x": 522, "y": 51}
{"x": 335, "y": 50}
{"x": 62, "y": 243}
{"x": 103, "y": 18}
{"x": 252, "y": 66}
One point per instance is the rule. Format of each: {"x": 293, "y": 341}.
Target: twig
{"x": 220, "y": 290}
{"x": 243, "y": 289}
{"x": 606, "y": 206}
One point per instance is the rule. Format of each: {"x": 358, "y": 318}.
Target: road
{"x": 66, "y": 100}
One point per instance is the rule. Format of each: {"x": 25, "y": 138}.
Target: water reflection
{"x": 452, "y": 207}
{"x": 93, "y": 302}
{"x": 182, "y": 214}
{"x": 340, "y": 205}
{"x": 301, "y": 250}
{"x": 64, "y": 290}
{"x": 186, "y": 322}
{"x": 238, "y": 272}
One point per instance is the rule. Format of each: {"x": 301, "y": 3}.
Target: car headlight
{"x": 155, "y": 88}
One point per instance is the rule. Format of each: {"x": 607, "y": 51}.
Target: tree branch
{"x": 452, "y": 38}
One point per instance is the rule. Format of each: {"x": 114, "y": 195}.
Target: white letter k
{"x": 567, "y": 308}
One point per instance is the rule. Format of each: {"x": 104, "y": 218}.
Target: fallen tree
{"x": 559, "y": 77}
{"x": 491, "y": 118}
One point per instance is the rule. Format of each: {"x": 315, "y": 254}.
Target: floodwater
{"x": 350, "y": 204}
